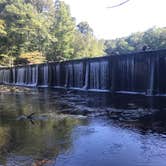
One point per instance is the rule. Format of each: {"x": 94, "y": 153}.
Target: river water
{"x": 81, "y": 129}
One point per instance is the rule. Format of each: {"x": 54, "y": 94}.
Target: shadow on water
{"x": 125, "y": 101}
{"x": 107, "y": 128}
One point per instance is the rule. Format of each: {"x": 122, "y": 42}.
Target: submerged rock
{"x": 47, "y": 116}
{"x": 22, "y": 117}
{"x": 14, "y": 160}
{"x": 29, "y": 117}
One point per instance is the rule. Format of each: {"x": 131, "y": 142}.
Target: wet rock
{"x": 131, "y": 106}
{"x": 28, "y": 117}
{"x": 42, "y": 162}
{"x": 22, "y": 117}
{"x": 96, "y": 114}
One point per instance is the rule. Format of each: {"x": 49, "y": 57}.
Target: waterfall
{"x": 99, "y": 75}
{"x": 86, "y": 86}
{"x": 125, "y": 77}
{"x": 1, "y": 76}
{"x": 55, "y": 75}
{"x": 13, "y": 76}
{"x": 75, "y": 75}
{"x": 104, "y": 75}
{"x": 142, "y": 73}
{"x": 133, "y": 74}
{"x": 43, "y": 75}
{"x": 28, "y": 75}
{"x": 34, "y": 75}
{"x": 69, "y": 75}
{"x": 31, "y": 75}
{"x": 20, "y": 76}
{"x": 59, "y": 75}
{"x": 78, "y": 74}
{"x": 6, "y": 76}
{"x": 94, "y": 75}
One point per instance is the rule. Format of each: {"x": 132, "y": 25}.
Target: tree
{"x": 85, "y": 43}
{"x": 154, "y": 38}
{"x": 34, "y": 57}
{"x": 30, "y": 26}
{"x": 2, "y": 28}
{"x": 135, "y": 40}
{"x": 64, "y": 29}
{"x": 26, "y": 29}
{"x": 84, "y": 28}
{"x": 41, "y": 6}
{"x": 19, "y": 19}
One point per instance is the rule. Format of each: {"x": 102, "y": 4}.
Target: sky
{"x": 111, "y": 23}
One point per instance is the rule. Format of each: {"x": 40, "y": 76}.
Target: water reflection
{"x": 43, "y": 140}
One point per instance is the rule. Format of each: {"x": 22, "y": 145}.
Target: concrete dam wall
{"x": 142, "y": 73}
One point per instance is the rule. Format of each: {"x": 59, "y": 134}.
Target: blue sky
{"x": 134, "y": 16}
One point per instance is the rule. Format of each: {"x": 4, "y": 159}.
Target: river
{"x": 81, "y": 129}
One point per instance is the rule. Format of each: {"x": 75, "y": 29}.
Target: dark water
{"x": 113, "y": 131}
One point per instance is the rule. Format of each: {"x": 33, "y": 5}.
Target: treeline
{"x": 36, "y": 31}
{"x": 152, "y": 39}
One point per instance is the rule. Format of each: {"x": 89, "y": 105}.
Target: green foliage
{"x": 31, "y": 58}
{"x": 84, "y": 28}
{"x": 6, "y": 60}
{"x": 64, "y": 28}
{"x": 154, "y": 38}
{"x": 2, "y": 28}
{"x": 26, "y": 29}
{"x": 41, "y": 6}
{"x": 85, "y": 44}
{"x": 45, "y": 26}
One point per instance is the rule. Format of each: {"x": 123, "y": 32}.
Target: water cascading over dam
{"x": 142, "y": 73}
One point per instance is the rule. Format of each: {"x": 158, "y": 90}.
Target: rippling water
{"x": 94, "y": 129}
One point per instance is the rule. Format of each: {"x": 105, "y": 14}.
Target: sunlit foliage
{"x": 45, "y": 26}
{"x": 31, "y": 58}
{"x": 153, "y": 39}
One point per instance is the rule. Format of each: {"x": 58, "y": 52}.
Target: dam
{"x": 135, "y": 73}
{"x": 75, "y": 127}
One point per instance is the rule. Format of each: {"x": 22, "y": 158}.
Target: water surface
{"x": 109, "y": 132}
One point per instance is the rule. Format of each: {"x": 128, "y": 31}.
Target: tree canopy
{"x": 85, "y": 43}
{"x": 45, "y": 27}
{"x": 153, "y": 39}
{"x": 36, "y": 31}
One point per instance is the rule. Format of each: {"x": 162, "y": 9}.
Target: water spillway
{"x": 142, "y": 73}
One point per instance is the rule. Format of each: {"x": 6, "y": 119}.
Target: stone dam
{"x": 136, "y": 73}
